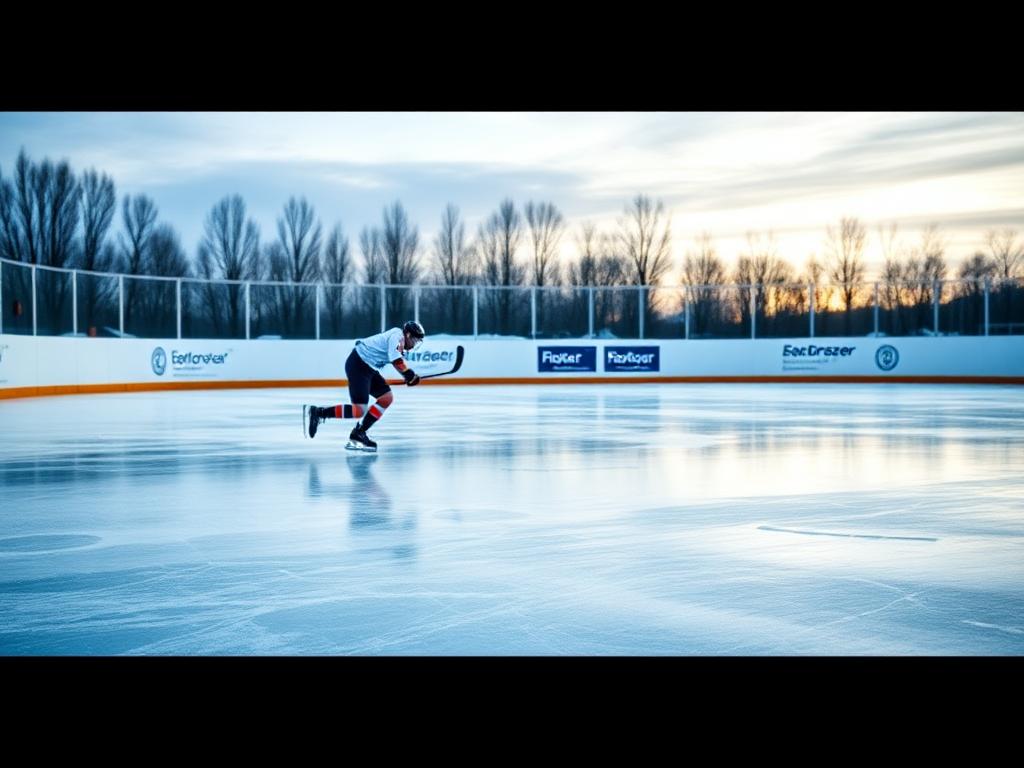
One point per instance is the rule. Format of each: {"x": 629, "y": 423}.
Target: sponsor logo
{"x": 186, "y": 363}
{"x": 423, "y": 356}
{"x": 886, "y": 357}
{"x": 812, "y": 351}
{"x": 631, "y": 359}
{"x": 813, "y": 357}
{"x": 159, "y": 361}
{"x": 566, "y": 359}
{"x": 196, "y": 358}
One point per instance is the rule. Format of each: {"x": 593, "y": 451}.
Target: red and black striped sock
{"x": 341, "y": 411}
{"x": 374, "y": 415}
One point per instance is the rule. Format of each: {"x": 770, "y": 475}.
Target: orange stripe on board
{"x": 731, "y": 380}
{"x": 162, "y": 386}
{"x": 165, "y": 386}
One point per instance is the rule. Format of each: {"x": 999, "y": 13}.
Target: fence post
{"x": 640, "y": 306}
{"x": 813, "y": 300}
{"x": 935, "y": 306}
{"x": 987, "y": 286}
{"x": 753, "y": 312}
{"x": 876, "y": 309}
{"x": 33, "y": 299}
{"x": 383, "y": 309}
{"x": 316, "y": 304}
{"x": 74, "y": 302}
{"x": 247, "y": 313}
{"x": 177, "y": 299}
{"x": 686, "y": 316}
{"x": 590, "y": 311}
{"x": 475, "y": 314}
{"x": 120, "y": 304}
{"x": 533, "y": 312}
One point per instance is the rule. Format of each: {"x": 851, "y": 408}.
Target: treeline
{"x": 51, "y": 216}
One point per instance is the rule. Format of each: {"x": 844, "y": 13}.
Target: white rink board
{"x": 67, "y": 362}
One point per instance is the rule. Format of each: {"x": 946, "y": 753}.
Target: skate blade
{"x": 354, "y": 446}
{"x": 305, "y": 421}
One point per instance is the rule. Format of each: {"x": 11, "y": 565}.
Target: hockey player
{"x": 363, "y": 372}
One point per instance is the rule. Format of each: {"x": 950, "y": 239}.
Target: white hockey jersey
{"x": 381, "y": 348}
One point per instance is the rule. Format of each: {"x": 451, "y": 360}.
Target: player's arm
{"x": 408, "y": 374}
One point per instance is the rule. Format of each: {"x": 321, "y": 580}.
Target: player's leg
{"x": 384, "y": 397}
{"x": 358, "y": 374}
{"x": 360, "y": 385}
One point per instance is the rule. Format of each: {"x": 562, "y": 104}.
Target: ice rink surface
{"x": 635, "y": 519}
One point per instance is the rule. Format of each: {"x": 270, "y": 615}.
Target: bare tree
{"x": 703, "y": 276}
{"x": 702, "y": 266}
{"x": 814, "y": 270}
{"x": 374, "y": 269}
{"x": 165, "y": 256}
{"x": 933, "y": 249}
{"x": 888, "y": 237}
{"x": 24, "y": 185}
{"x": 893, "y": 254}
{"x": 98, "y": 203}
{"x": 977, "y": 268}
{"x": 156, "y": 299}
{"x": 896, "y": 295}
{"x": 598, "y": 263}
{"x": 453, "y": 256}
{"x": 298, "y": 234}
{"x": 846, "y": 259}
{"x": 814, "y": 274}
{"x": 10, "y": 245}
{"x": 975, "y": 273}
{"x": 46, "y": 213}
{"x": 228, "y": 250}
{"x": 498, "y": 240}
{"x": 95, "y": 253}
{"x": 39, "y": 213}
{"x": 337, "y": 270}
{"x": 295, "y": 258}
{"x": 1007, "y": 254}
{"x": 337, "y": 261}
{"x": 546, "y": 225}
{"x": 400, "y": 244}
{"x": 645, "y": 239}
{"x": 38, "y": 222}
{"x": 922, "y": 268}
{"x": 601, "y": 268}
{"x": 57, "y": 194}
{"x": 139, "y": 220}
{"x": 761, "y": 275}
{"x": 455, "y": 262}
{"x": 933, "y": 265}
{"x": 584, "y": 270}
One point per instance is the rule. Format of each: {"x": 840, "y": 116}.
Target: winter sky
{"x": 724, "y": 173}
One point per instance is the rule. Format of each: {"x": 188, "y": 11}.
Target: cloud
{"x": 727, "y": 172}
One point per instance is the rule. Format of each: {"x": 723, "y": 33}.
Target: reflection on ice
{"x": 617, "y": 519}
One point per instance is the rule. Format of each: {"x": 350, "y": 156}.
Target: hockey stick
{"x": 460, "y": 352}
